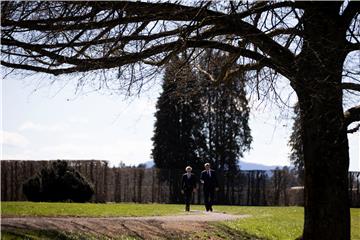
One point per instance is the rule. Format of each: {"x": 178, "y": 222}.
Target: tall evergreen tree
{"x": 226, "y": 114}
{"x": 296, "y": 144}
{"x": 198, "y": 120}
{"x": 178, "y": 138}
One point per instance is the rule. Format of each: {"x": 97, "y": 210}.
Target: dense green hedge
{"x": 59, "y": 182}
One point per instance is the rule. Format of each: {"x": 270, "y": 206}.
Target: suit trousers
{"x": 209, "y": 194}
{"x": 188, "y": 198}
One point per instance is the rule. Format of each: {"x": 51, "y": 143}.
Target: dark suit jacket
{"x": 209, "y": 182}
{"x": 188, "y": 184}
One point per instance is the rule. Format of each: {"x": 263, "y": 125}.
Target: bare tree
{"x": 308, "y": 43}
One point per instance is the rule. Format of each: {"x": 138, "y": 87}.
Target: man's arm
{"x": 182, "y": 182}
{"x": 202, "y": 177}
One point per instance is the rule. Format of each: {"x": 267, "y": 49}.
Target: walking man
{"x": 209, "y": 180}
{"x": 188, "y": 186}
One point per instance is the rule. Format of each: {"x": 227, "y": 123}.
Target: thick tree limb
{"x": 139, "y": 12}
{"x": 83, "y": 65}
{"x": 286, "y": 31}
{"x": 281, "y": 56}
{"x": 34, "y": 68}
{"x": 354, "y": 129}
{"x": 111, "y": 62}
{"x": 350, "y": 12}
{"x": 353, "y": 46}
{"x": 351, "y": 86}
{"x": 352, "y": 115}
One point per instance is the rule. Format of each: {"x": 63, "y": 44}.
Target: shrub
{"x": 58, "y": 182}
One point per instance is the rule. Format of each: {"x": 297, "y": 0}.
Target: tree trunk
{"x": 320, "y": 64}
{"x": 326, "y": 166}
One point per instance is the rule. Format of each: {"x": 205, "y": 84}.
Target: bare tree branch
{"x": 211, "y": 77}
{"x": 353, "y": 46}
{"x": 135, "y": 12}
{"x": 34, "y": 68}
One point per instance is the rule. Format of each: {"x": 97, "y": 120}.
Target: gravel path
{"x": 151, "y": 227}
{"x": 192, "y": 216}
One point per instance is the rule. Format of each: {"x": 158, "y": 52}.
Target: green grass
{"x": 87, "y": 209}
{"x": 262, "y": 223}
{"x": 277, "y": 222}
{"x": 355, "y": 223}
{"x": 267, "y": 222}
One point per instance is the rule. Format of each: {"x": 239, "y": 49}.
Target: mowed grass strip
{"x": 22, "y": 209}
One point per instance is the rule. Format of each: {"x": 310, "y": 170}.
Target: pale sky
{"x": 55, "y": 123}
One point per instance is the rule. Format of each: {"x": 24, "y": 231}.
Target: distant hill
{"x": 149, "y": 164}
{"x": 256, "y": 166}
{"x": 243, "y": 166}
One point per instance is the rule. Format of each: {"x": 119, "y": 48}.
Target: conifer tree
{"x": 296, "y": 144}
{"x": 178, "y": 139}
{"x": 226, "y": 115}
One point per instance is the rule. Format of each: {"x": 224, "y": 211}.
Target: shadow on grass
{"x": 224, "y": 232}
{"x": 32, "y": 234}
{"x": 18, "y": 233}
{"x": 215, "y": 231}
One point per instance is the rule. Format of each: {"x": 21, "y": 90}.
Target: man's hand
{"x": 216, "y": 189}
{"x": 182, "y": 191}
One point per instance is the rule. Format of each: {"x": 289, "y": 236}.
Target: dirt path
{"x": 154, "y": 227}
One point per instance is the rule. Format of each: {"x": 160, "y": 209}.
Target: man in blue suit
{"x": 209, "y": 180}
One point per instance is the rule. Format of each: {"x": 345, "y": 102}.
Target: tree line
{"x": 136, "y": 184}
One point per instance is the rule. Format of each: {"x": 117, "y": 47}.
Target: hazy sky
{"x": 55, "y": 123}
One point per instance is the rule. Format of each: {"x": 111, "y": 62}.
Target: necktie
{"x": 209, "y": 173}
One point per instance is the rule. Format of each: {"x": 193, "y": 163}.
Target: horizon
{"x": 146, "y": 163}
{"x": 45, "y": 121}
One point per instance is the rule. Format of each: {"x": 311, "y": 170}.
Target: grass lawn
{"x": 277, "y": 222}
{"x": 87, "y": 209}
{"x": 267, "y": 222}
{"x": 264, "y": 222}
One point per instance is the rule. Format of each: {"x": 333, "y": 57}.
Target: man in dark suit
{"x": 209, "y": 180}
{"x": 188, "y": 186}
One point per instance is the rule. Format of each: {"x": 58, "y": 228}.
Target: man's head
{"x": 207, "y": 166}
{"x": 188, "y": 169}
